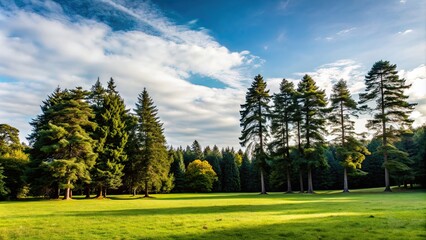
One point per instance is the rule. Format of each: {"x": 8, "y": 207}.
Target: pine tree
{"x": 214, "y": 157}
{"x": 390, "y": 113}
{"x": 197, "y": 151}
{"x": 313, "y": 128}
{"x": 65, "y": 140}
{"x": 39, "y": 175}
{"x": 282, "y": 118}
{"x": 246, "y": 174}
{"x": 112, "y": 137}
{"x": 178, "y": 170}
{"x": 351, "y": 152}
{"x": 231, "y": 176}
{"x": 153, "y": 155}
{"x": 254, "y": 117}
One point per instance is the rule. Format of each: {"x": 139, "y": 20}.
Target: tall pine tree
{"x": 313, "y": 118}
{"x": 282, "y": 119}
{"x": 111, "y": 134}
{"x": 350, "y": 151}
{"x": 391, "y": 111}
{"x": 254, "y": 121}
{"x": 153, "y": 157}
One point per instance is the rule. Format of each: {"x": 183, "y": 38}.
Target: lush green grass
{"x": 326, "y": 215}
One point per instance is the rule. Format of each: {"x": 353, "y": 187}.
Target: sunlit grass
{"x": 366, "y": 214}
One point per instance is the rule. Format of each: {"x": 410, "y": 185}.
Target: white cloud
{"x": 406, "y": 32}
{"x": 39, "y": 53}
{"x": 345, "y": 31}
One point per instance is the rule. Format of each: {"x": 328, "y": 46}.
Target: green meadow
{"x": 361, "y": 214}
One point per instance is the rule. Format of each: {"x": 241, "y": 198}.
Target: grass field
{"x": 363, "y": 214}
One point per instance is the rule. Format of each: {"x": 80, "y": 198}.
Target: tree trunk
{"x": 134, "y": 192}
{"x": 58, "y": 193}
{"x": 385, "y": 153}
{"x": 146, "y": 189}
{"x": 100, "y": 193}
{"x": 301, "y": 181}
{"x": 67, "y": 191}
{"x": 87, "y": 190}
{"x": 105, "y": 193}
{"x": 289, "y": 190}
{"x": 262, "y": 182}
{"x": 345, "y": 180}
{"x": 387, "y": 183}
{"x": 310, "y": 186}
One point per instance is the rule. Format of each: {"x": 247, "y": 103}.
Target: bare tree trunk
{"x": 289, "y": 190}
{"x": 301, "y": 181}
{"x": 67, "y": 191}
{"x": 134, "y": 192}
{"x": 310, "y": 185}
{"x": 262, "y": 182}
{"x": 385, "y": 142}
{"x": 387, "y": 182}
{"x": 345, "y": 180}
{"x": 105, "y": 192}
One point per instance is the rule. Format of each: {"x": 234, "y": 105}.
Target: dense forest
{"x": 87, "y": 142}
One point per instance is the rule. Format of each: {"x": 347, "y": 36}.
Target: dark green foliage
{"x": 312, "y": 112}
{"x": 152, "y": 154}
{"x": 246, "y": 178}
{"x": 4, "y": 191}
{"x": 131, "y": 167}
{"x": 178, "y": 170}
{"x": 254, "y": 121}
{"x": 230, "y": 174}
{"x": 62, "y": 144}
{"x": 197, "y": 151}
{"x": 200, "y": 176}
{"x": 420, "y": 156}
{"x": 111, "y": 135}
{"x": 282, "y": 119}
{"x": 391, "y": 111}
{"x": 214, "y": 157}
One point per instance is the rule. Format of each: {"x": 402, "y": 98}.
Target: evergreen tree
{"x": 178, "y": 170}
{"x": 231, "y": 176}
{"x": 351, "y": 152}
{"x": 214, "y": 158}
{"x": 281, "y": 120}
{"x": 65, "y": 140}
{"x": 313, "y": 128}
{"x": 111, "y": 135}
{"x": 254, "y": 121}
{"x": 420, "y": 158}
{"x": 153, "y": 155}
{"x": 41, "y": 181}
{"x": 245, "y": 174}
{"x": 197, "y": 151}
{"x": 391, "y": 111}
{"x": 132, "y": 165}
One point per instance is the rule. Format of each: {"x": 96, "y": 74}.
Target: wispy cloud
{"x": 345, "y": 31}
{"x": 337, "y": 35}
{"x": 39, "y": 53}
{"x": 406, "y": 32}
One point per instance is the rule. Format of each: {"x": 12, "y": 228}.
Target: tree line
{"x": 87, "y": 142}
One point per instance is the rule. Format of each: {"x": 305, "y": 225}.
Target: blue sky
{"x": 197, "y": 58}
